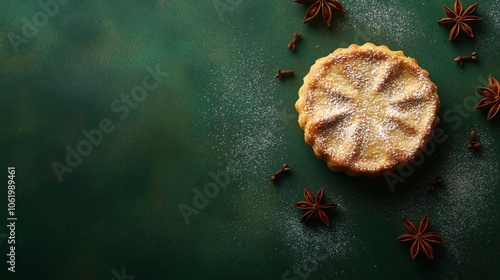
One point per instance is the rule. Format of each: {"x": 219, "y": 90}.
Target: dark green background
{"x": 220, "y": 111}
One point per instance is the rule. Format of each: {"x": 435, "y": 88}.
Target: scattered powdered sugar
{"x": 387, "y": 20}
{"x": 314, "y": 245}
{"x": 246, "y": 124}
{"x": 472, "y": 181}
{"x": 464, "y": 204}
{"x": 490, "y": 37}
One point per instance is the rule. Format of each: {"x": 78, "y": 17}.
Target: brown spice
{"x": 280, "y": 74}
{"x": 292, "y": 44}
{"x": 460, "y": 19}
{"x": 491, "y": 97}
{"x": 473, "y": 142}
{"x": 315, "y": 207}
{"x": 421, "y": 240}
{"x": 283, "y": 169}
{"x": 438, "y": 181}
{"x": 324, "y": 8}
{"x": 460, "y": 59}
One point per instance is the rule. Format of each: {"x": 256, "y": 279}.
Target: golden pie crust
{"x": 367, "y": 110}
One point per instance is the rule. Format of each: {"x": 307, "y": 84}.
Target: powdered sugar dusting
{"x": 319, "y": 244}
{"x": 386, "y": 20}
{"x": 463, "y": 202}
{"x": 468, "y": 206}
{"x": 491, "y": 37}
{"x": 242, "y": 98}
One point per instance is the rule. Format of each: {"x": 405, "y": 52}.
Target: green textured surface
{"x": 219, "y": 113}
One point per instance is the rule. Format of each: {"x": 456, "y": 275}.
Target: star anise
{"x": 491, "y": 97}
{"x": 438, "y": 181}
{"x": 314, "y": 206}
{"x": 460, "y": 19}
{"x": 323, "y": 7}
{"x": 421, "y": 240}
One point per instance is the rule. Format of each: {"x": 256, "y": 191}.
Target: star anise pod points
{"x": 421, "y": 239}
{"x": 314, "y": 206}
{"x": 323, "y": 7}
{"x": 460, "y": 19}
{"x": 491, "y": 97}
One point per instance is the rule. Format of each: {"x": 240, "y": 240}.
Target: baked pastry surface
{"x": 367, "y": 110}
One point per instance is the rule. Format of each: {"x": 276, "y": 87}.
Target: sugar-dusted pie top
{"x": 367, "y": 110}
